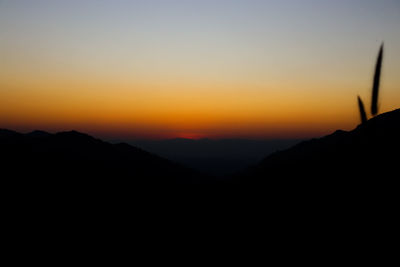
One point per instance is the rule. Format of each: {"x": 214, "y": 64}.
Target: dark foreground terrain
{"x": 366, "y": 157}
{"x": 356, "y": 161}
{"x": 340, "y": 190}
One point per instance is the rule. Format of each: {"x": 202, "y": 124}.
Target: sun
{"x": 188, "y": 135}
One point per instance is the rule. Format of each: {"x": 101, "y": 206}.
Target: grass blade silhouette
{"x": 375, "y": 87}
{"x": 363, "y": 115}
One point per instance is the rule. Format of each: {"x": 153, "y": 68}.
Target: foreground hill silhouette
{"x": 356, "y": 161}
{"x": 365, "y": 157}
{"x": 72, "y": 159}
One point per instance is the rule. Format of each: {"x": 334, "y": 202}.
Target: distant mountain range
{"x": 217, "y": 157}
{"x": 366, "y": 157}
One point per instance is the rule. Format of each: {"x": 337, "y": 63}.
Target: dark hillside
{"x": 365, "y": 158}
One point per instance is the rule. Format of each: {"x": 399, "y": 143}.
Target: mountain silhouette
{"x": 344, "y": 183}
{"x": 75, "y": 160}
{"x": 362, "y": 161}
{"x": 217, "y": 157}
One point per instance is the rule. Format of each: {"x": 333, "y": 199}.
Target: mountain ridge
{"x": 363, "y": 157}
{"x": 366, "y": 150}
{"x": 83, "y": 158}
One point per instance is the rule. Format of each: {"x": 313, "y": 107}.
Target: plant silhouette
{"x": 363, "y": 115}
{"x": 375, "y": 90}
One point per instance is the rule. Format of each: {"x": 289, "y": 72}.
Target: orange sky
{"x": 197, "y": 77}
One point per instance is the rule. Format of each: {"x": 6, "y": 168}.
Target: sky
{"x": 193, "y": 69}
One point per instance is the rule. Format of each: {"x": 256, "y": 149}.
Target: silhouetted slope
{"x": 364, "y": 158}
{"x": 220, "y": 157}
{"x": 75, "y": 159}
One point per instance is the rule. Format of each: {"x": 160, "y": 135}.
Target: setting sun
{"x": 217, "y": 69}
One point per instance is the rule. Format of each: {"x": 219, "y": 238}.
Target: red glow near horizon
{"x": 192, "y": 136}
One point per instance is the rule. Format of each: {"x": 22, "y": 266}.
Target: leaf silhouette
{"x": 375, "y": 87}
{"x": 363, "y": 115}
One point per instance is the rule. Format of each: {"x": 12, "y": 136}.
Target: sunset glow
{"x": 194, "y": 69}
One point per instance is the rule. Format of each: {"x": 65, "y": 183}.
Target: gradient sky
{"x": 204, "y": 68}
